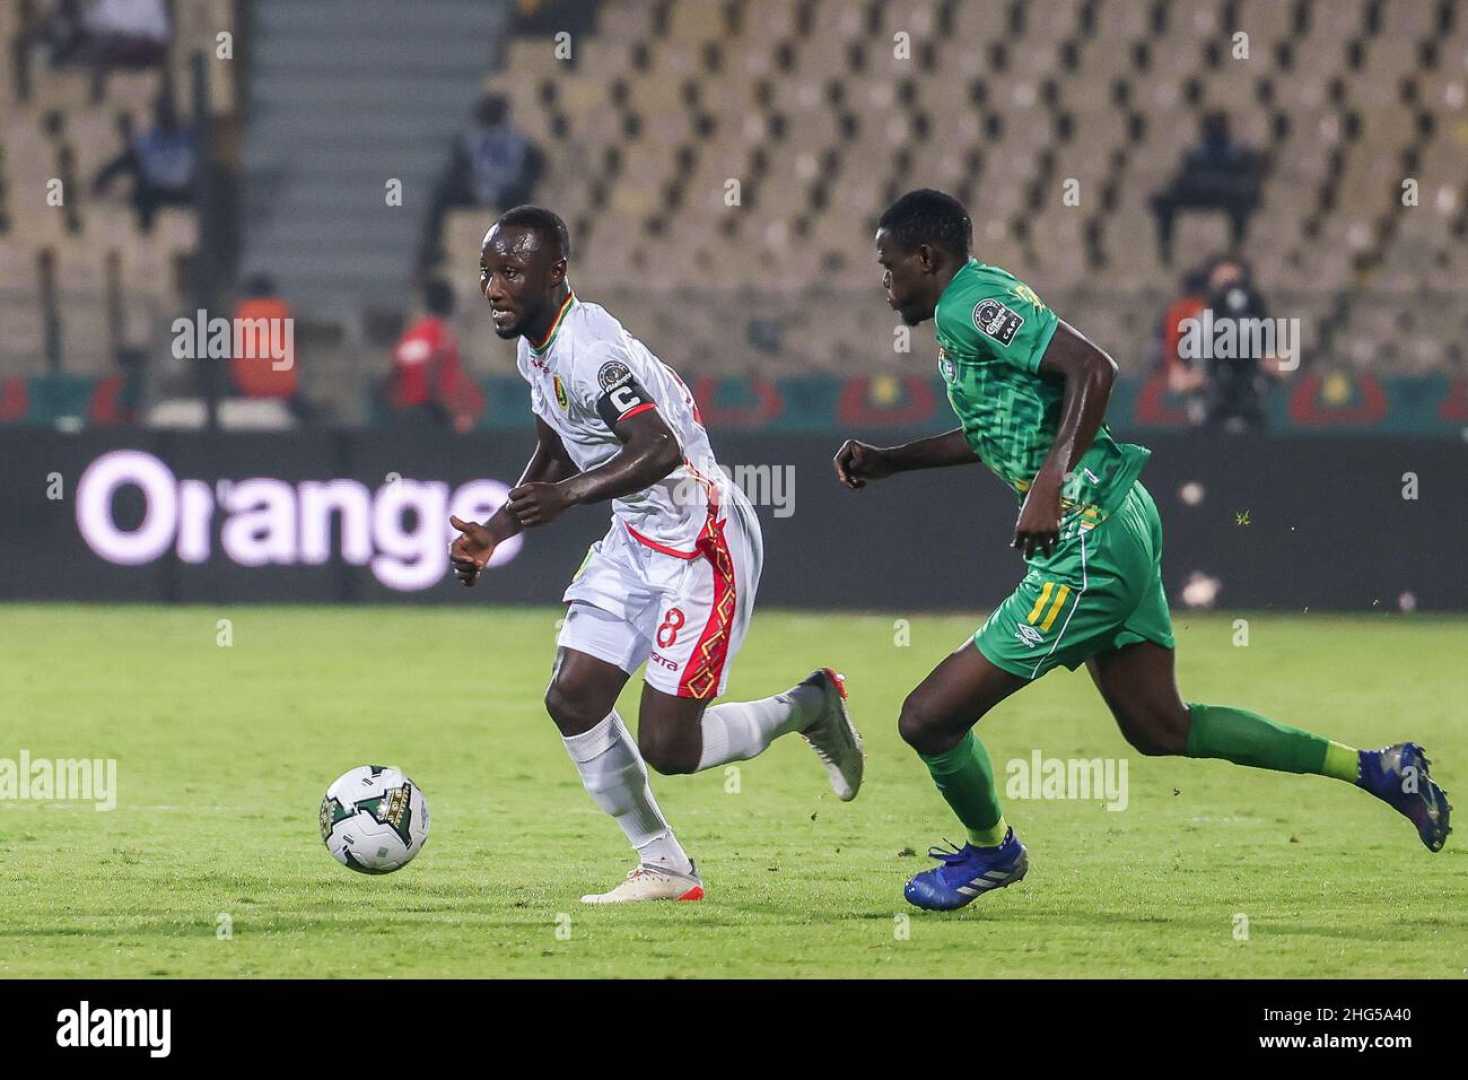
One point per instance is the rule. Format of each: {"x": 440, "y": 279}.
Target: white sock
{"x": 738, "y": 730}
{"x": 613, "y": 773}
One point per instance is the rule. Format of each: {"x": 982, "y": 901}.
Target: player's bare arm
{"x": 471, "y": 551}
{"x": 858, "y": 462}
{"x": 1088, "y": 374}
{"x": 649, "y": 452}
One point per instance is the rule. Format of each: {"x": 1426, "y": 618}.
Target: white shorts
{"x": 685, "y": 615}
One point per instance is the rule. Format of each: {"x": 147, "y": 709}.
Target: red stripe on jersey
{"x": 711, "y": 494}
{"x": 637, "y": 409}
{"x": 706, "y": 666}
{"x": 649, "y": 542}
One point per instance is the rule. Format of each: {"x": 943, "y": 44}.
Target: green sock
{"x": 1342, "y": 762}
{"x": 965, "y": 779}
{"x": 991, "y": 837}
{"x": 1245, "y": 738}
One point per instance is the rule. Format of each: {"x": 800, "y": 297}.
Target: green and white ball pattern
{"x": 374, "y": 819}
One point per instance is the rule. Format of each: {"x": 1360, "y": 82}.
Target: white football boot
{"x": 651, "y": 883}
{"x": 834, "y": 737}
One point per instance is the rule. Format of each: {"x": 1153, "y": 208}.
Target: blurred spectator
{"x": 1236, "y": 386}
{"x": 1217, "y": 174}
{"x": 491, "y": 165}
{"x": 1184, "y": 375}
{"x": 544, "y": 18}
{"x": 125, "y": 406}
{"x": 262, "y": 375}
{"x": 104, "y": 34}
{"x": 428, "y": 385}
{"x": 126, "y": 33}
{"x": 162, "y": 163}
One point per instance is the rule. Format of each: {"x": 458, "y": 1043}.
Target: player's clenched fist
{"x": 470, "y": 551}
{"x": 857, "y": 462}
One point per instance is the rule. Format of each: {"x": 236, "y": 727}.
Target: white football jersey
{"x": 589, "y": 375}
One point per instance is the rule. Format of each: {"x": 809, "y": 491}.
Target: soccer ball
{"x": 374, "y": 819}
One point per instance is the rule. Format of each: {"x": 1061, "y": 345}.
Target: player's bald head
{"x": 530, "y": 230}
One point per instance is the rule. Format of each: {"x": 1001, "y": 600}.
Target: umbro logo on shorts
{"x": 1029, "y": 635}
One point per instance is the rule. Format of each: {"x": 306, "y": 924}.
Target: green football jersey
{"x": 992, "y": 332}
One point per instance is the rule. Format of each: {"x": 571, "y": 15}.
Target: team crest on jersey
{"x": 612, "y": 374}
{"x": 998, "y": 321}
{"x": 561, "y": 398}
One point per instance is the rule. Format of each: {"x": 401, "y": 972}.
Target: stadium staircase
{"x": 347, "y": 95}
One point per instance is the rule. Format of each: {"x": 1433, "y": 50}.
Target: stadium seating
{"x": 829, "y": 112}
{"x": 721, "y": 164}
{"x": 112, "y": 284}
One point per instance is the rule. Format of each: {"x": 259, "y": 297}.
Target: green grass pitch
{"x": 223, "y": 754}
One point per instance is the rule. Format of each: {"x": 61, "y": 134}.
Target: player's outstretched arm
{"x": 1088, "y": 374}
{"x": 857, "y": 462}
{"x": 650, "y": 451}
{"x": 472, "y": 549}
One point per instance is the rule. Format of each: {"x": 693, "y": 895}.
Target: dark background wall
{"x": 1327, "y": 524}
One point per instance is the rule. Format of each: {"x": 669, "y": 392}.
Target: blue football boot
{"x": 1398, "y": 776}
{"x": 967, "y": 873}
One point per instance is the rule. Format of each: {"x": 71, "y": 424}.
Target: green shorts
{"x": 1099, "y": 590}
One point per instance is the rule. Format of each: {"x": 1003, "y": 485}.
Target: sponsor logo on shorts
{"x": 998, "y": 321}
{"x": 671, "y": 665}
{"x": 1029, "y": 636}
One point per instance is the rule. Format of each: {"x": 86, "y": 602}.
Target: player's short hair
{"x": 546, "y": 222}
{"x": 929, "y": 217}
